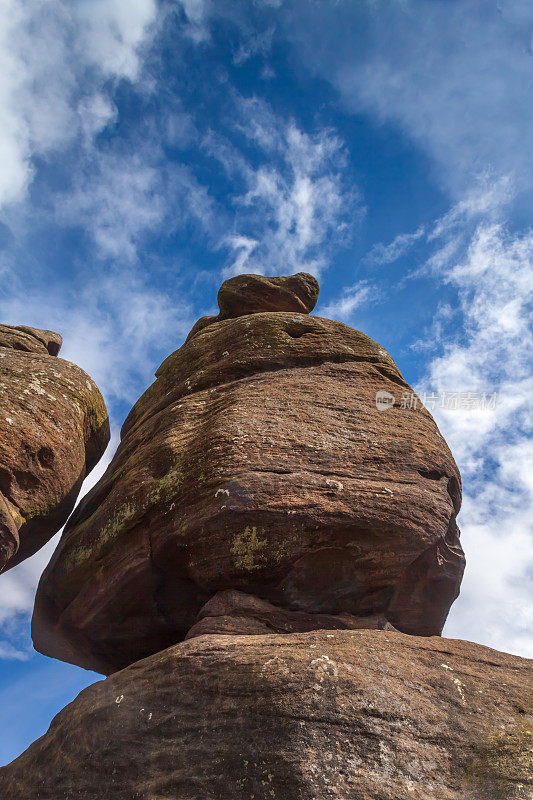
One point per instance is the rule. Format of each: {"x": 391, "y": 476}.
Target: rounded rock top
{"x": 253, "y": 294}
{"x": 30, "y": 340}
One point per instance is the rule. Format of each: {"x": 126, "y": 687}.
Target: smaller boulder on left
{"x": 54, "y": 428}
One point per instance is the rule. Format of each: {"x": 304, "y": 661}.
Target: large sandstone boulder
{"x": 365, "y": 715}
{"x": 53, "y": 430}
{"x": 259, "y": 462}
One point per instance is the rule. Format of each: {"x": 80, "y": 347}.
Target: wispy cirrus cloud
{"x": 454, "y": 78}
{"x": 255, "y": 44}
{"x": 388, "y": 253}
{"x": 484, "y": 345}
{"x": 9, "y": 652}
{"x": 362, "y": 293}
{"x": 55, "y": 61}
{"x": 293, "y": 206}
{"x": 130, "y": 194}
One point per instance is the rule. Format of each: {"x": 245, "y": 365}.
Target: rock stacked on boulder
{"x": 266, "y": 508}
{"x": 53, "y": 430}
{"x": 259, "y": 487}
{"x": 250, "y": 294}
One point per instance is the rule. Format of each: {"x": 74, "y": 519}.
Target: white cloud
{"x": 255, "y": 44}
{"x": 126, "y": 195}
{"x": 180, "y": 130}
{"x": 60, "y": 66}
{"x": 95, "y": 113}
{"x": 111, "y": 32}
{"x": 114, "y": 325}
{"x": 117, "y": 202}
{"x": 54, "y": 61}
{"x": 352, "y": 298}
{"x": 117, "y": 198}
{"x": 387, "y": 254}
{"x": 197, "y": 14}
{"x": 293, "y": 206}
{"x": 10, "y": 653}
{"x": 486, "y": 345}
{"x": 488, "y": 199}
{"x": 242, "y": 248}
{"x": 454, "y": 78}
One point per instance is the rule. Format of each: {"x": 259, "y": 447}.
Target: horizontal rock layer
{"x": 258, "y": 461}
{"x": 53, "y": 430}
{"x": 345, "y": 715}
{"x": 235, "y": 612}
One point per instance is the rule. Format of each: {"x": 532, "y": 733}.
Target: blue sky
{"x": 151, "y": 150}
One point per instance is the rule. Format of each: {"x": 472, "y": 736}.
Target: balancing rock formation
{"x": 259, "y": 488}
{"x": 53, "y": 430}
{"x": 251, "y": 561}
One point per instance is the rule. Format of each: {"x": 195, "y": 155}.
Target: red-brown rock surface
{"x": 250, "y": 294}
{"x": 258, "y": 461}
{"x": 231, "y": 611}
{"x": 345, "y": 715}
{"x": 53, "y": 430}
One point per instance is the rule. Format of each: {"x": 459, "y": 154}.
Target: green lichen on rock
{"x": 503, "y": 768}
{"x": 247, "y": 549}
{"x": 123, "y": 515}
{"x": 123, "y": 519}
{"x": 280, "y": 552}
{"x": 166, "y": 487}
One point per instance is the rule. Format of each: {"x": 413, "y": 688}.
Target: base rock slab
{"x": 343, "y": 715}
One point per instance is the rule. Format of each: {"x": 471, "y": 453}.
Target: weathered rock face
{"x": 235, "y": 612}
{"x": 258, "y": 461}
{"x": 249, "y": 294}
{"x": 345, "y": 715}
{"x": 53, "y": 430}
{"x": 30, "y": 340}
